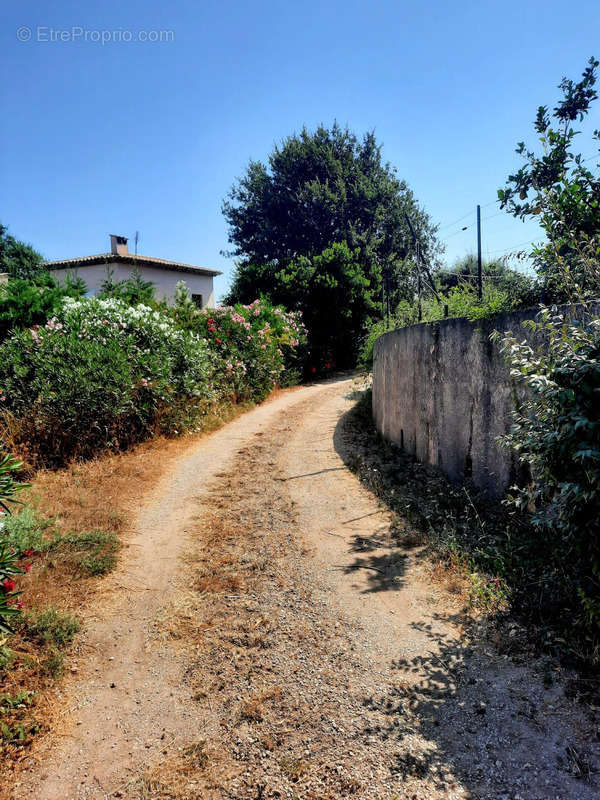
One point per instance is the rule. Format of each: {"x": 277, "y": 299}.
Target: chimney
{"x": 118, "y": 245}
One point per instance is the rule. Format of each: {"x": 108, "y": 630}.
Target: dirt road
{"x": 264, "y": 638}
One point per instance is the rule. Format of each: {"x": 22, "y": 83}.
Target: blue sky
{"x": 149, "y": 136}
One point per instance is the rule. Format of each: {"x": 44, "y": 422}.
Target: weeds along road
{"x": 265, "y": 637}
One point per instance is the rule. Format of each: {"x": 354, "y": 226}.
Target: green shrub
{"x": 133, "y": 290}
{"x": 10, "y": 605}
{"x": 7, "y": 657}
{"x": 458, "y": 297}
{"x": 25, "y": 531}
{"x": 24, "y": 303}
{"x": 100, "y": 374}
{"x": 557, "y": 433}
{"x": 255, "y": 347}
{"x": 50, "y": 627}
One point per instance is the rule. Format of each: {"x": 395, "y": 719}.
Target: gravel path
{"x": 263, "y": 638}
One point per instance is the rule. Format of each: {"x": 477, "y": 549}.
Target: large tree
{"x": 20, "y": 260}
{"x": 325, "y": 206}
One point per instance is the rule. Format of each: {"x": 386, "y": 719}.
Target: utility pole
{"x": 387, "y": 291}
{"x": 419, "y": 284}
{"x": 383, "y": 296}
{"x": 479, "y": 275}
{"x": 417, "y": 244}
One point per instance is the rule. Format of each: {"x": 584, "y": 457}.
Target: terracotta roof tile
{"x": 113, "y": 258}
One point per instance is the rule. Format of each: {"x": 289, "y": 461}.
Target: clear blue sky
{"x": 149, "y": 136}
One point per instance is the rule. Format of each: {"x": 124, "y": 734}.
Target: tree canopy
{"x": 20, "y": 260}
{"x": 560, "y": 190}
{"x": 324, "y": 210}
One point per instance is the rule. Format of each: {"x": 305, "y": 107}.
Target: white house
{"x": 120, "y": 263}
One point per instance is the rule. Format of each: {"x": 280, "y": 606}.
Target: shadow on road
{"x": 475, "y": 716}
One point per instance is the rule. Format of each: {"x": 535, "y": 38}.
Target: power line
{"x": 464, "y": 216}
{"x": 513, "y": 247}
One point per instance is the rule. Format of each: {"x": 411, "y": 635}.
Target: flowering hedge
{"x": 101, "y": 373}
{"x": 254, "y": 347}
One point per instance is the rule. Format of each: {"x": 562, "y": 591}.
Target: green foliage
{"x": 102, "y": 374}
{"x": 559, "y": 191}
{"x": 28, "y": 302}
{"x": 17, "y": 729}
{"x": 335, "y": 298}
{"x": 25, "y": 530}
{"x": 9, "y": 486}
{"x": 184, "y": 308}
{"x": 504, "y": 290}
{"x": 20, "y": 260}
{"x": 255, "y": 347}
{"x": 462, "y": 301}
{"x": 7, "y": 658}
{"x": 557, "y": 433}
{"x": 50, "y": 627}
{"x": 326, "y": 201}
{"x": 9, "y": 556}
{"x": 132, "y": 290}
{"x": 522, "y": 291}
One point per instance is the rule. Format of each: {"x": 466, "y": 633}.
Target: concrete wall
{"x": 164, "y": 280}
{"x": 442, "y": 391}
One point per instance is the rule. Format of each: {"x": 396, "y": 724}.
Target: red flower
{"x": 218, "y": 341}
{"x": 27, "y": 567}
{"x": 28, "y": 552}
{"x": 19, "y": 605}
{"x": 8, "y": 585}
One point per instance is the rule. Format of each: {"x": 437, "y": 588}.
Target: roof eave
{"x": 112, "y": 258}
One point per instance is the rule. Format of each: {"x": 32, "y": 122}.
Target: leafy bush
{"x": 133, "y": 290}
{"x": 99, "y": 374}
{"x": 25, "y": 531}
{"x": 557, "y": 432}
{"x": 10, "y": 605}
{"x": 504, "y": 290}
{"x": 558, "y": 190}
{"x": 24, "y": 303}
{"x": 255, "y": 347}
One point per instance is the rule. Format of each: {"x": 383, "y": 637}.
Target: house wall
{"x": 164, "y": 280}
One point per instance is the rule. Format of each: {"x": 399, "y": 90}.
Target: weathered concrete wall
{"x": 443, "y": 392}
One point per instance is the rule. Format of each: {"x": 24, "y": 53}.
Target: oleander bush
{"x": 101, "y": 374}
{"x": 257, "y": 346}
{"x": 10, "y": 605}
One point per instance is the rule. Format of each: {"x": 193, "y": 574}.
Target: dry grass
{"x": 102, "y": 495}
